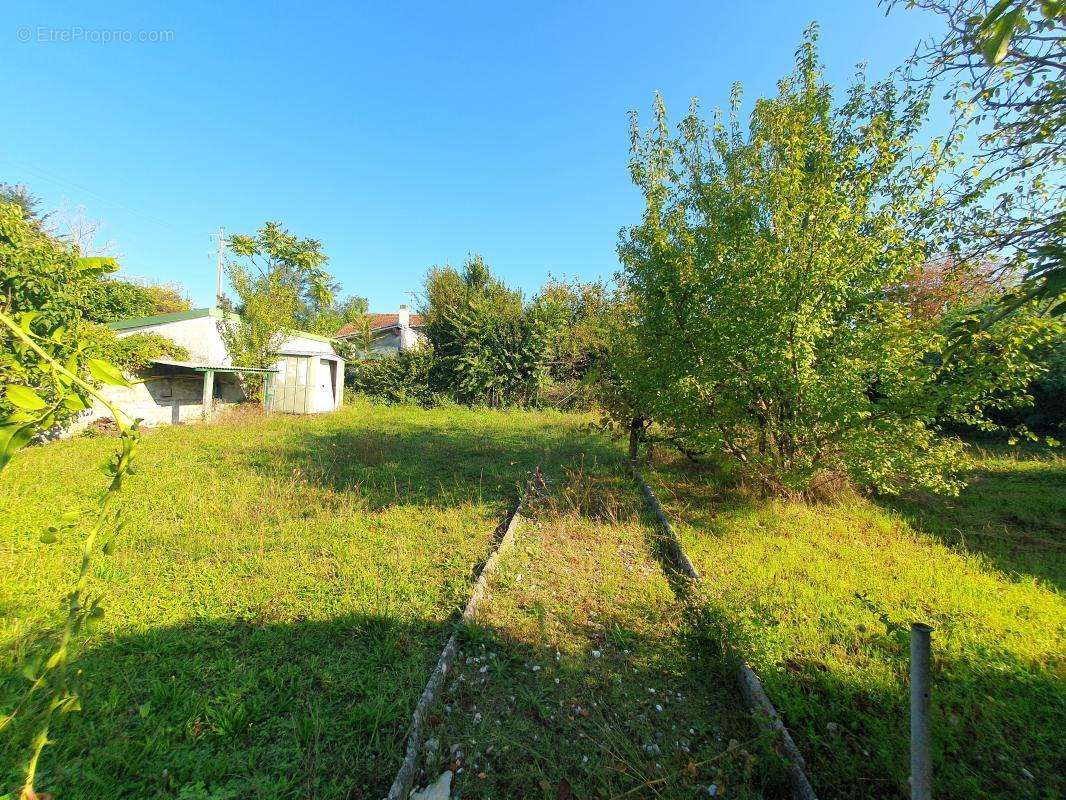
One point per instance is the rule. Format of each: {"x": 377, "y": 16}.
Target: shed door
{"x": 327, "y": 384}
{"x": 291, "y": 391}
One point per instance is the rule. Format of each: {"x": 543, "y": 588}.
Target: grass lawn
{"x": 819, "y": 600}
{"x": 576, "y": 680}
{"x": 276, "y": 602}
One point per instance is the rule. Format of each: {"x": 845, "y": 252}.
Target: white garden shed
{"x": 307, "y": 378}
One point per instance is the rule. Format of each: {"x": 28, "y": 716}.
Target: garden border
{"x": 405, "y": 775}
{"x": 751, "y": 687}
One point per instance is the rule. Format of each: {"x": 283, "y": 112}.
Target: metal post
{"x": 921, "y": 756}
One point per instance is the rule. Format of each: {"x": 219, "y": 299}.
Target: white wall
{"x": 199, "y": 336}
{"x": 162, "y": 400}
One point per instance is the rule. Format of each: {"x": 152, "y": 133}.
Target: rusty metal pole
{"x": 921, "y": 753}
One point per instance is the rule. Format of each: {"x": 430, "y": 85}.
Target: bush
{"x": 111, "y": 299}
{"x": 138, "y": 350}
{"x": 491, "y": 347}
{"x": 399, "y": 378}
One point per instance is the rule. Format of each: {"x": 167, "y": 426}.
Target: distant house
{"x": 307, "y": 378}
{"x": 389, "y": 333}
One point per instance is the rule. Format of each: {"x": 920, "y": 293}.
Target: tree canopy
{"x": 768, "y": 281}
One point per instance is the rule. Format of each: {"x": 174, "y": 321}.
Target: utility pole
{"x": 221, "y": 255}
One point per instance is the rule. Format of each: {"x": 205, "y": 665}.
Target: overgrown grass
{"x": 284, "y": 585}
{"x": 576, "y": 680}
{"x": 276, "y": 601}
{"x": 819, "y": 599}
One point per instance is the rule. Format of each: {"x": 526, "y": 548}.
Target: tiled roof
{"x": 377, "y": 322}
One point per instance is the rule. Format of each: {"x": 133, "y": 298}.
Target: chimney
{"x": 405, "y": 317}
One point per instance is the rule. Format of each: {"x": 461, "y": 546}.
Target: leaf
{"x": 106, "y": 372}
{"x": 12, "y": 437}
{"x": 997, "y": 42}
{"x": 25, "y": 397}
{"x": 74, "y": 402}
{"x": 994, "y": 13}
{"x": 97, "y": 264}
{"x": 32, "y": 668}
{"x": 25, "y": 321}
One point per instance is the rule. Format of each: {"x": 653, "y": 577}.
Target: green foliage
{"x": 289, "y": 266}
{"x": 575, "y": 316}
{"x": 133, "y": 352}
{"x": 327, "y": 319}
{"x": 19, "y": 194}
{"x": 1047, "y": 414}
{"x": 1001, "y": 62}
{"x": 40, "y": 274}
{"x": 44, "y": 285}
{"x": 112, "y": 299}
{"x": 267, "y": 305}
{"x": 764, "y": 279}
{"x": 489, "y": 346}
{"x": 399, "y": 378}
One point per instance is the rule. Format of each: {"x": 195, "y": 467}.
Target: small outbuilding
{"x": 307, "y": 378}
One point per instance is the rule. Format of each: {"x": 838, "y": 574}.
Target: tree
{"x": 1005, "y": 63}
{"x": 489, "y": 347}
{"x": 326, "y": 320}
{"x": 267, "y": 307}
{"x": 75, "y": 227}
{"x": 19, "y": 194}
{"x": 575, "y": 317}
{"x": 287, "y": 260}
{"x": 764, "y": 280}
{"x": 281, "y": 284}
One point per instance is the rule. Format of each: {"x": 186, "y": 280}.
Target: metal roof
{"x": 209, "y": 367}
{"x": 317, "y": 353}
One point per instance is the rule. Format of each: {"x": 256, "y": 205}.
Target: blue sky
{"x": 401, "y": 137}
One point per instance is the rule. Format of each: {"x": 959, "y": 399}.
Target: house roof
{"x": 196, "y": 313}
{"x": 378, "y": 322}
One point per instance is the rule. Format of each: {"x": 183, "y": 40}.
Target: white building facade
{"x": 307, "y": 378}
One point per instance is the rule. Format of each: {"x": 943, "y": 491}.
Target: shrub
{"x": 490, "y": 347}
{"x": 133, "y": 352}
{"x": 110, "y": 299}
{"x": 399, "y": 378}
